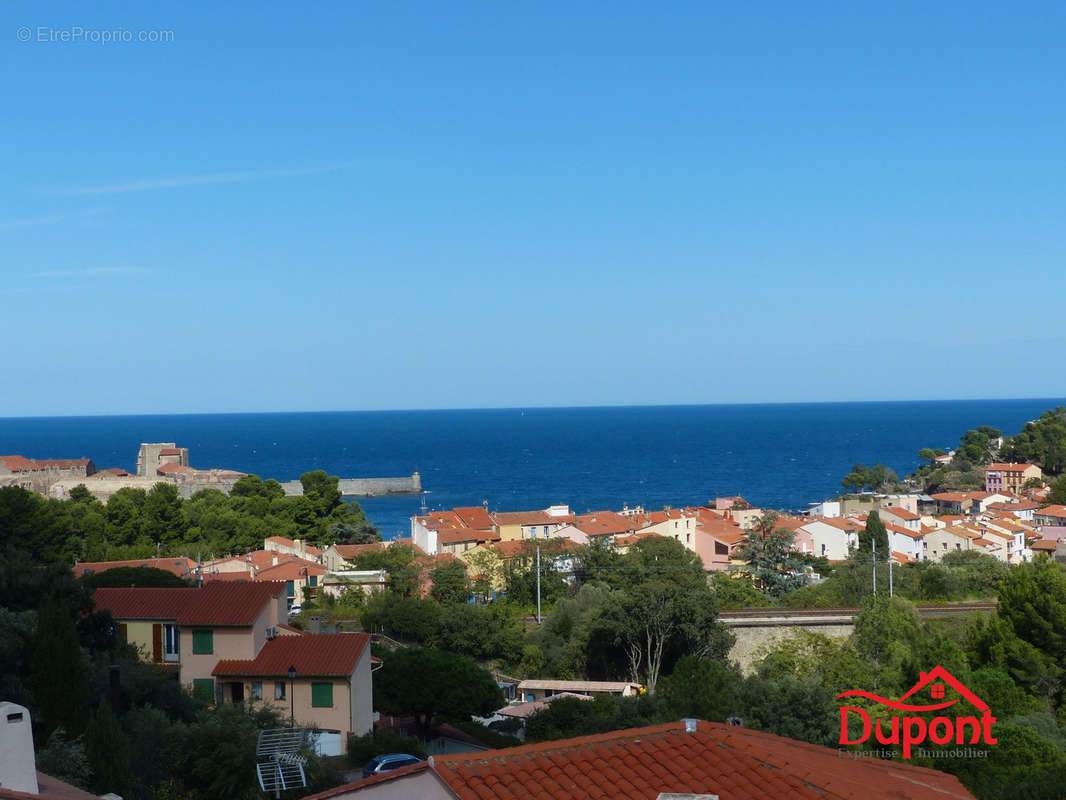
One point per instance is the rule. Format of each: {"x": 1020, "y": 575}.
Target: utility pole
{"x": 873, "y": 550}
{"x": 538, "y": 583}
{"x": 889, "y": 571}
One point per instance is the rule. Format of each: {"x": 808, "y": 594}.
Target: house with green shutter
{"x": 319, "y": 680}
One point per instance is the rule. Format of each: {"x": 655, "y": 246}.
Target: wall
{"x": 367, "y": 487}
{"x": 751, "y": 642}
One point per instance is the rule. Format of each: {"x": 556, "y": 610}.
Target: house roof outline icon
{"x": 925, "y": 678}
{"x": 939, "y": 673}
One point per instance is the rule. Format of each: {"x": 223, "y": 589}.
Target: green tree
{"x": 57, "y": 674}
{"x": 399, "y": 562}
{"x": 701, "y": 688}
{"x": 64, "y": 759}
{"x": 434, "y": 686}
{"x": 121, "y": 577}
{"x": 798, "y": 708}
{"x": 108, "y": 751}
{"x": 876, "y": 533}
{"x": 771, "y": 561}
{"x": 450, "y": 583}
{"x": 733, "y": 592}
{"x": 322, "y": 490}
{"x": 663, "y": 610}
{"x": 1058, "y": 491}
{"x": 409, "y": 619}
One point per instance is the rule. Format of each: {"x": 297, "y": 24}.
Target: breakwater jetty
{"x": 367, "y": 487}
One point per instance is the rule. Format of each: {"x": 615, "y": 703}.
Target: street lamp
{"x": 292, "y": 697}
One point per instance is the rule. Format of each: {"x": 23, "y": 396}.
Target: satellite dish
{"x": 279, "y": 762}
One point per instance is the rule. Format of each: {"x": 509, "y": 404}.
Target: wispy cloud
{"x": 183, "y": 181}
{"x": 49, "y": 219}
{"x": 88, "y": 272}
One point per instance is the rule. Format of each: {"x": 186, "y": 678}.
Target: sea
{"x": 783, "y": 456}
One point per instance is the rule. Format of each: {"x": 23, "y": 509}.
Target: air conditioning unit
{"x": 272, "y": 632}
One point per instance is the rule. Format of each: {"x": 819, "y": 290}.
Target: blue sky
{"x": 415, "y": 205}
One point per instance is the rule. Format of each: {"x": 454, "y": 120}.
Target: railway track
{"x": 768, "y": 617}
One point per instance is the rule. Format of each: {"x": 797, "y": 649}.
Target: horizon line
{"x": 589, "y": 406}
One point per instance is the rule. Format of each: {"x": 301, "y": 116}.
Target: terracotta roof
{"x": 144, "y": 603}
{"x": 511, "y": 547}
{"x": 951, "y": 497}
{"x": 310, "y": 549}
{"x": 474, "y": 517}
{"x": 1024, "y": 505}
{"x": 530, "y": 518}
{"x": 350, "y": 551}
{"x": 1052, "y": 511}
{"x": 332, "y": 655}
{"x": 842, "y": 523}
{"x": 63, "y": 463}
{"x": 119, "y": 473}
{"x": 604, "y": 523}
{"x": 290, "y": 571}
{"x": 179, "y": 565}
{"x": 166, "y": 469}
{"x": 722, "y": 530}
{"x": 904, "y": 531}
{"x": 1044, "y": 544}
{"x": 638, "y": 764}
{"x": 457, "y": 535}
{"x": 902, "y": 558}
{"x": 901, "y": 513}
{"x": 18, "y": 463}
{"x": 170, "y": 451}
{"x": 1000, "y": 467}
{"x": 225, "y": 603}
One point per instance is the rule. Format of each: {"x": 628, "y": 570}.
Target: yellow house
{"x": 191, "y": 629}
{"x": 147, "y": 619}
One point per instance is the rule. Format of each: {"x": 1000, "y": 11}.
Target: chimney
{"x": 691, "y": 724}
{"x": 274, "y": 561}
{"x": 18, "y": 766}
{"x": 299, "y": 546}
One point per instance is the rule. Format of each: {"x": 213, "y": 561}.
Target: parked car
{"x": 296, "y": 609}
{"x": 389, "y": 762}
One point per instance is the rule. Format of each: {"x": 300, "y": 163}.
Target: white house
{"x": 833, "y": 537}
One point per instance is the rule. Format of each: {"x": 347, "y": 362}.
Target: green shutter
{"x": 203, "y": 643}
{"x": 314, "y": 581}
{"x": 290, "y": 589}
{"x": 204, "y": 689}
{"x": 322, "y": 695}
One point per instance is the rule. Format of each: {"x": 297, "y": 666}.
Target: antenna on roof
{"x": 279, "y": 764}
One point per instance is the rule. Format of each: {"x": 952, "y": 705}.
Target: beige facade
{"x": 940, "y": 542}
{"x": 350, "y": 698}
{"x": 226, "y": 641}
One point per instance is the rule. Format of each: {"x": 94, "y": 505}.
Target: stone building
{"x": 154, "y": 455}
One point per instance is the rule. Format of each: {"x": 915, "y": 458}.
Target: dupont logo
{"x": 908, "y": 730}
